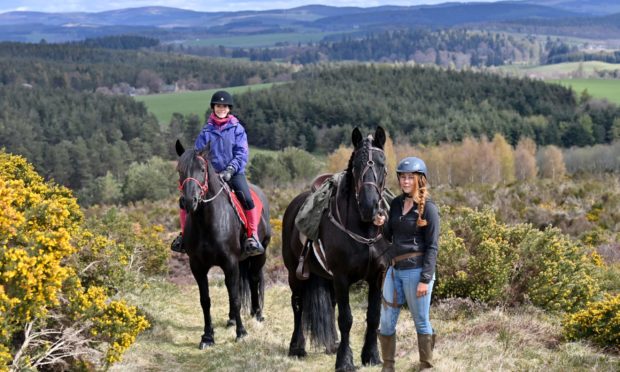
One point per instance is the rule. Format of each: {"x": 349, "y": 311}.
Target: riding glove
{"x": 228, "y": 173}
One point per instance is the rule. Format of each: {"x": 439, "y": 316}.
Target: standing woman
{"x": 228, "y": 152}
{"x": 413, "y": 229}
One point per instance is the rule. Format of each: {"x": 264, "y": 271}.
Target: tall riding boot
{"x": 177, "y": 244}
{"x": 425, "y": 348}
{"x": 388, "y": 350}
{"x": 253, "y": 247}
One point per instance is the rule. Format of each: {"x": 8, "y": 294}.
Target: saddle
{"x": 308, "y": 220}
{"x": 303, "y": 270}
{"x": 238, "y": 207}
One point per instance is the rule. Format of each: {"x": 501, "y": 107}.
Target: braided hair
{"x": 420, "y": 194}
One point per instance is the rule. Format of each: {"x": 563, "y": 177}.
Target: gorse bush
{"x": 48, "y": 318}
{"x": 599, "y": 322}
{"x": 117, "y": 251}
{"x": 475, "y": 259}
{"x": 488, "y": 261}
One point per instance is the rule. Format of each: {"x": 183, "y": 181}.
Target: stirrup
{"x": 253, "y": 247}
{"x": 177, "y": 244}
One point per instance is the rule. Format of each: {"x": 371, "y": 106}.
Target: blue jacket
{"x": 229, "y": 145}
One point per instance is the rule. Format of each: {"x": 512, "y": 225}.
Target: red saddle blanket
{"x": 257, "y": 211}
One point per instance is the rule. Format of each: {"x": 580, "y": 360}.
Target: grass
{"x": 196, "y": 102}
{"x": 470, "y": 337}
{"x": 546, "y": 71}
{"x": 598, "y": 88}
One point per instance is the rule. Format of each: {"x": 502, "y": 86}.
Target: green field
{"x": 197, "y": 102}
{"x": 598, "y": 88}
{"x": 556, "y": 70}
{"x": 261, "y": 40}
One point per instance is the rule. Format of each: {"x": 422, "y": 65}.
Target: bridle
{"x": 204, "y": 186}
{"x": 370, "y": 165}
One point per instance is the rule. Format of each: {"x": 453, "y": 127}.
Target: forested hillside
{"x": 75, "y": 137}
{"x": 420, "y": 105}
{"x": 82, "y": 67}
{"x": 447, "y": 47}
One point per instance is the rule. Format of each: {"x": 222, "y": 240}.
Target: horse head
{"x": 368, "y": 172}
{"x": 195, "y": 176}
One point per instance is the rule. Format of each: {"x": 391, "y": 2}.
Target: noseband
{"x": 204, "y": 186}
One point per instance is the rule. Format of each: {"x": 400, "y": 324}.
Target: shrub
{"x": 116, "y": 250}
{"x": 484, "y": 260}
{"x": 47, "y": 317}
{"x": 599, "y": 322}
{"x": 474, "y": 257}
{"x": 153, "y": 180}
{"x": 555, "y": 272}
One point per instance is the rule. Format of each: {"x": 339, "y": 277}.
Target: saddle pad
{"x": 258, "y": 209}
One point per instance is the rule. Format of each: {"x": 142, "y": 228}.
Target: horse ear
{"x": 179, "y": 147}
{"x": 379, "y": 137}
{"x": 206, "y": 150}
{"x": 356, "y": 137}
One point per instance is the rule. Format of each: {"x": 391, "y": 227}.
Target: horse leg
{"x": 200, "y": 274}
{"x": 370, "y": 353}
{"x": 344, "y": 356}
{"x": 298, "y": 341}
{"x": 231, "y": 278}
{"x": 331, "y": 349}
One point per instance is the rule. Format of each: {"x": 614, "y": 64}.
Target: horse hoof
{"x": 331, "y": 350}
{"x": 373, "y": 361}
{"x": 346, "y": 368}
{"x": 241, "y": 336}
{"x": 299, "y": 353}
{"x": 259, "y": 317}
{"x": 230, "y": 323}
{"x": 205, "y": 344}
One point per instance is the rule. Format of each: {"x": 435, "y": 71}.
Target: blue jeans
{"x": 406, "y": 284}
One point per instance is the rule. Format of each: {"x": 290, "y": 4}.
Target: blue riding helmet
{"x": 411, "y": 164}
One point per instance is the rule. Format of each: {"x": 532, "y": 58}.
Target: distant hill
{"x": 595, "y": 27}
{"x": 594, "y": 7}
{"x": 32, "y": 26}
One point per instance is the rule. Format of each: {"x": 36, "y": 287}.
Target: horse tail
{"x": 250, "y": 271}
{"x": 319, "y": 319}
{"x": 244, "y": 285}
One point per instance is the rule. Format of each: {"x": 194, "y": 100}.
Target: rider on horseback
{"x": 229, "y": 155}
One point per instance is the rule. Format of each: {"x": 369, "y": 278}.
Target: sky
{"x": 199, "y": 5}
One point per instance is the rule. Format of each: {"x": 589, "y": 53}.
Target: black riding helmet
{"x": 222, "y": 97}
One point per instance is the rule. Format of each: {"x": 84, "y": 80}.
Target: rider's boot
{"x": 177, "y": 243}
{"x": 252, "y": 245}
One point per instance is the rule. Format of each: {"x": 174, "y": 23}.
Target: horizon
{"x": 83, "y": 6}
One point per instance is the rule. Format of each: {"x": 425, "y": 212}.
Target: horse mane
{"x": 349, "y": 182}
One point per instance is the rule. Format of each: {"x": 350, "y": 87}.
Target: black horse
{"x": 212, "y": 237}
{"x": 353, "y": 250}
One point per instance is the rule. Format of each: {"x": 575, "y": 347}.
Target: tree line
{"x": 83, "y": 67}
{"x": 420, "y": 105}
{"x": 456, "y": 47}
{"x": 76, "y": 137}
